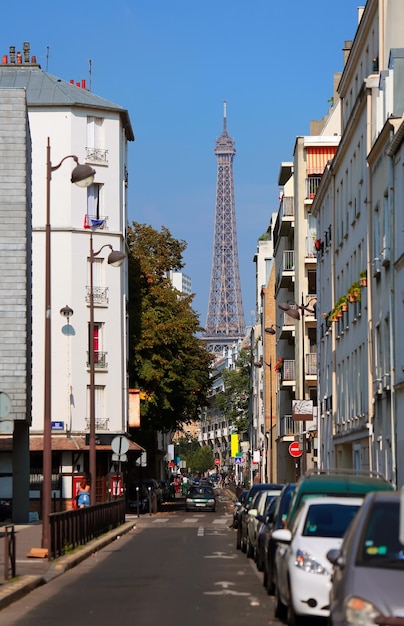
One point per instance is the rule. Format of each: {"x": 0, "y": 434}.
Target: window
{"x": 96, "y": 151}
{"x": 94, "y": 197}
{"x": 97, "y": 344}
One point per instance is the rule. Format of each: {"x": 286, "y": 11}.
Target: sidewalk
{"x": 33, "y": 572}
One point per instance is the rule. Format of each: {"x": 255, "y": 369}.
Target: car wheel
{"x": 259, "y": 561}
{"x": 270, "y": 587}
{"x": 280, "y": 608}
{"x": 249, "y": 550}
{"x": 243, "y": 545}
{"x": 238, "y": 540}
{"x": 291, "y": 617}
{"x": 265, "y": 577}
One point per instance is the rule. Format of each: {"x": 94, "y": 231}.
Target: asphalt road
{"x": 173, "y": 569}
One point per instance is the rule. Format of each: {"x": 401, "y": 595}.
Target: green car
{"x": 334, "y": 482}
{"x": 201, "y": 498}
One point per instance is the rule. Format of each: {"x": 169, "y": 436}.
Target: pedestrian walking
{"x": 83, "y": 494}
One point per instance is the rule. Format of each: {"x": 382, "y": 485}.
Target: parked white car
{"x": 302, "y": 570}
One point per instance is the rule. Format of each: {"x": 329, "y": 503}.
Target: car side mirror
{"x": 336, "y": 558}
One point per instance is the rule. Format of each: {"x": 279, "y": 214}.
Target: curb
{"x": 21, "y": 586}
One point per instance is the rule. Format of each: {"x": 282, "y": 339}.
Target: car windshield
{"x": 205, "y": 492}
{"x": 380, "y": 545}
{"x": 329, "y": 520}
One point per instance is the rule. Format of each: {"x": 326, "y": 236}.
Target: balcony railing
{"x": 311, "y": 364}
{"x": 289, "y": 370}
{"x": 312, "y": 184}
{"x": 288, "y": 426}
{"x": 100, "y": 296}
{"x": 288, "y": 261}
{"x": 97, "y": 155}
{"x": 101, "y": 423}
{"x": 100, "y": 360}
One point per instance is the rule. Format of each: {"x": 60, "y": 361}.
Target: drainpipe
{"x": 392, "y": 291}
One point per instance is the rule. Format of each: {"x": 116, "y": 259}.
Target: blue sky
{"x": 171, "y": 63}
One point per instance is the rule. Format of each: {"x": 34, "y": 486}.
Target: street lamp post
{"x": 83, "y": 176}
{"x": 298, "y": 313}
{"x": 115, "y": 259}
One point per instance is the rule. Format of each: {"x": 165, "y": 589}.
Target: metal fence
{"x": 73, "y": 528}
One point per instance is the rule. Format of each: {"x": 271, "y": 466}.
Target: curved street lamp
{"x": 115, "y": 259}
{"x": 297, "y": 312}
{"x": 83, "y": 176}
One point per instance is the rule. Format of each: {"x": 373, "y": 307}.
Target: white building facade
{"x": 75, "y": 122}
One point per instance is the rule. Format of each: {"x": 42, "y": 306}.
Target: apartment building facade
{"x": 66, "y": 121}
{"x": 358, "y": 206}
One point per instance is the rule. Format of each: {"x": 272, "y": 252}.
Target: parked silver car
{"x": 368, "y": 574}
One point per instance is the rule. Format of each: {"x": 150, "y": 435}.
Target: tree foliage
{"x": 234, "y": 399}
{"x": 167, "y": 361}
{"x": 201, "y": 460}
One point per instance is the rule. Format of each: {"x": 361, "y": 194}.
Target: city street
{"x": 173, "y": 568}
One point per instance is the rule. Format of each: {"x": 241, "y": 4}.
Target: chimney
{"x": 25, "y": 47}
{"x": 12, "y": 54}
{"x": 346, "y": 50}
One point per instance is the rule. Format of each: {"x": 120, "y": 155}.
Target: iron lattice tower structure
{"x": 225, "y": 322}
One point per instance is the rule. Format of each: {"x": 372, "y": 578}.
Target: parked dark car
{"x": 367, "y": 581}
{"x": 5, "y": 510}
{"x": 145, "y": 495}
{"x": 242, "y": 524}
{"x": 279, "y": 517}
{"x": 238, "y": 506}
{"x": 266, "y": 523}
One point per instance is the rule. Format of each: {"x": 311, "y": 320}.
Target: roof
{"x": 43, "y": 89}
{"x": 62, "y": 443}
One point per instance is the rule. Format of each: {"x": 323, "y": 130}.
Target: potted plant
{"x": 279, "y": 365}
{"x": 318, "y": 244}
{"x": 354, "y": 292}
{"x": 364, "y": 278}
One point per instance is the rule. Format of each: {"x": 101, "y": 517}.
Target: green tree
{"x": 201, "y": 460}
{"x": 235, "y": 398}
{"x": 167, "y": 360}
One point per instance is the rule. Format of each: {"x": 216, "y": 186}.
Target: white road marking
{"x": 161, "y": 520}
{"x": 220, "y": 555}
{"x": 201, "y": 531}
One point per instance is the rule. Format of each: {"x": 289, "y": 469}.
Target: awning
{"x": 318, "y": 157}
{"x": 63, "y": 443}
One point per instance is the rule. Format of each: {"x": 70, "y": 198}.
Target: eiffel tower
{"x": 225, "y": 323}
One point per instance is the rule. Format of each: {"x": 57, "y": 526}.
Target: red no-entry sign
{"x": 294, "y": 449}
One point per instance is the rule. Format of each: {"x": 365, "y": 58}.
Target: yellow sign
{"x": 234, "y": 445}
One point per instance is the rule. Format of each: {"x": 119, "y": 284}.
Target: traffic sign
{"x": 238, "y": 460}
{"x": 217, "y": 461}
{"x": 294, "y": 450}
{"x": 120, "y": 445}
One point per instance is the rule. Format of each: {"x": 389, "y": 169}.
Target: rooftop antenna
{"x": 224, "y": 116}
{"x": 47, "y": 58}
{"x": 90, "y": 73}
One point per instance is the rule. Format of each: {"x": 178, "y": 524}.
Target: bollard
{"x": 137, "y": 501}
{"x": 150, "y": 504}
{"x": 9, "y": 552}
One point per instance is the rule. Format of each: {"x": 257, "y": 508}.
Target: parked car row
{"x": 330, "y": 546}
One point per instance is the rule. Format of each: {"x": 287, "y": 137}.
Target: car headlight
{"x": 188, "y": 500}
{"x": 211, "y": 501}
{"x": 305, "y": 561}
{"x": 359, "y": 611}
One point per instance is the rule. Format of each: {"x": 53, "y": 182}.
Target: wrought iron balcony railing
{"x": 100, "y": 360}
{"x": 100, "y": 296}
{"x": 100, "y": 423}
{"x": 97, "y": 155}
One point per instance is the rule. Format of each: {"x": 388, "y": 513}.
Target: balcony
{"x": 100, "y": 423}
{"x": 287, "y": 330}
{"x": 100, "y": 222}
{"x": 98, "y": 156}
{"x": 312, "y": 183}
{"x": 100, "y": 360}
{"x": 311, "y": 364}
{"x": 100, "y": 296}
{"x": 286, "y": 272}
{"x": 288, "y": 427}
{"x": 288, "y": 374}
